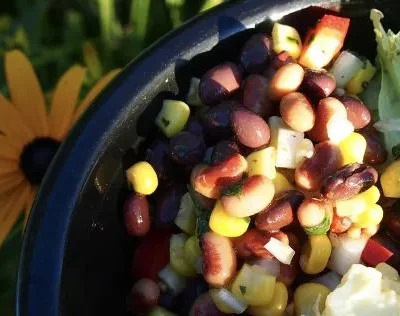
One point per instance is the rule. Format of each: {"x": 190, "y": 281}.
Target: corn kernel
{"x": 250, "y": 282}
{"x": 353, "y": 148}
{"x": 177, "y": 256}
{"x": 359, "y": 82}
{"x": 371, "y": 196}
{"x": 173, "y": 117}
{"x": 227, "y": 225}
{"x": 306, "y": 296}
{"x": 286, "y": 38}
{"x": 390, "y": 180}
{"x": 278, "y": 304}
{"x": 357, "y": 204}
{"x": 262, "y": 162}
{"x": 373, "y": 215}
{"x": 315, "y": 254}
{"x": 192, "y": 250}
{"x": 281, "y": 184}
{"x": 142, "y": 178}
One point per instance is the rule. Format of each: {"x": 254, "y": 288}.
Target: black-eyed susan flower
{"x": 29, "y": 135}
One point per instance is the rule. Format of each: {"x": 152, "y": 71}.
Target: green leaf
{"x": 233, "y": 190}
{"x": 202, "y": 225}
{"x": 321, "y": 228}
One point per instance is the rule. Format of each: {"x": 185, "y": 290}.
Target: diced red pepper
{"x": 374, "y": 253}
{"x": 151, "y": 255}
{"x": 333, "y": 22}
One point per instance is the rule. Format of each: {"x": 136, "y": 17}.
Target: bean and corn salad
{"x": 268, "y": 184}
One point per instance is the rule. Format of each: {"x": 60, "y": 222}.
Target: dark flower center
{"x": 36, "y": 157}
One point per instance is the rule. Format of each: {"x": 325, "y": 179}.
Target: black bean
{"x": 318, "y": 84}
{"x": 256, "y": 53}
{"x": 187, "y": 149}
{"x": 255, "y": 97}
{"x": 223, "y": 150}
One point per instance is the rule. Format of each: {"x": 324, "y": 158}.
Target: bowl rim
{"x": 45, "y": 238}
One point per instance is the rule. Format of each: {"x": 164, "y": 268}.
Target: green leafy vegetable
{"x": 235, "y": 189}
{"x": 321, "y": 228}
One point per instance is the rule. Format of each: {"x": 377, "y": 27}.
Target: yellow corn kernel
{"x": 250, "y": 282}
{"x": 286, "y": 38}
{"x": 262, "y": 162}
{"x": 353, "y": 148}
{"x": 177, "y": 258}
{"x": 315, "y": 254}
{"x": 281, "y": 184}
{"x": 307, "y": 295}
{"x": 192, "y": 250}
{"x": 227, "y": 225}
{"x": 142, "y": 177}
{"x": 173, "y": 117}
{"x": 357, "y": 204}
{"x": 277, "y": 306}
{"x": 373, "y": 215}
{"x": 359, "y": 82}
{"x": 390, "y": 180}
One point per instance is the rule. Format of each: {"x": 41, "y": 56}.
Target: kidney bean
{"x": 256, "y": 53}
{"x": 187, "y": 149}
{"x": 223, "y": 150}
{"x": 144, "y": 295}
{"x": 312, "y": 212}
{"x": 348, "y": 181}
{"x": 280, "y": 212}
{"x": 157, "y": 155}
{"x": 219, "y": 259}
{"x": 297, "y": 112}
{"x": 327, "y": 109}
{"x": 340, "y": 224}
{"x": 209, "y": 181}
{"x": 276, "y": 62}
{"x": 255, "y": 97}
{"x": 220, "y": 83}
{"x": 248, "y": 197}
{"x": 217, "y": 121}
{"x": 205, "y": 306}
{"x": 250, "y": 129}
{"x": 375, "y": 153}
{"x": 287, "y": 79}
{"x": 168, "y": 205}
{"x": 136, "y": 215}
{"x": 251, "y": 243}
{"x": 318, "y": 84}
{"x": 357, "y": 112}
{"x": 195, "y": 127}
{"x": 312, "y": 171}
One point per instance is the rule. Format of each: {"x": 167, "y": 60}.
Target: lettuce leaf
{"x": 388, "y": 48}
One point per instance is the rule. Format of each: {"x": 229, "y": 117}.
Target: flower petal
{"x": 12, "y": 124}
{"x": 26, "y": 93}
{"x": 11, "y": 208}
{"x": 64, "y": 102}
{"x": 96, "y": 89}
{"x": 9, "y": 149}
{"x": 11, "y": 181}
{"x": 29, "y": 203}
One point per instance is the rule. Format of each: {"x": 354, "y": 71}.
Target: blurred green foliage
{"x": 100, "y": 34}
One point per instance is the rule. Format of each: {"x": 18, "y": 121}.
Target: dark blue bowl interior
{"x": 76, "y": 255}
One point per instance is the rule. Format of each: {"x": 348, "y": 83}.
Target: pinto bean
{"x": 287, "y": 79}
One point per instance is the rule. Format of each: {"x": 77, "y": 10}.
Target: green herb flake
{"x": 233, "y": 190}
{"x": 321, "y": 228}
{"x": 396, "y": 152}
{"x": 247, "y": 219}
{"x": 165, "y": 121}
{"x": 243, "y": 289}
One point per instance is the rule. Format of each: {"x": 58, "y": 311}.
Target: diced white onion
{"x": 269, "y": 265}
{"x": 338, "y": 128}
{"x": 389, "y": 125}
{"x": 228, "y": 299}
{"x": 193, "y": 98}
{"x": 345, "y": 252}
{"x": 345, "y": 67}
{"x": 331, "y": 280}
{"x": 175, "y": 283}
{"x": 391, "y": 285}
{"x": 284, "y": 253}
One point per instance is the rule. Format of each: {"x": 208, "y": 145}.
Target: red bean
{"x": 318, "y": 84}
{"x": 277, "y": 61}
{"x": 357, "y": 112}
{"x": 136, "y": 215}
{"x": 256, "y": 53}
{"x": 250, "y": 129}
{"x": 255, "y": 97}
{"x": 219, "y": 83}
{"x": 297, "y": 112}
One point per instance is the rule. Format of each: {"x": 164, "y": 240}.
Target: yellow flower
{"x": 29, "y": 137}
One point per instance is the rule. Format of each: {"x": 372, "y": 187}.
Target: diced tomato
{"x": 374, "y": 253}
{"x": 151, "y": 255}
{"x": 324, "y": 42}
